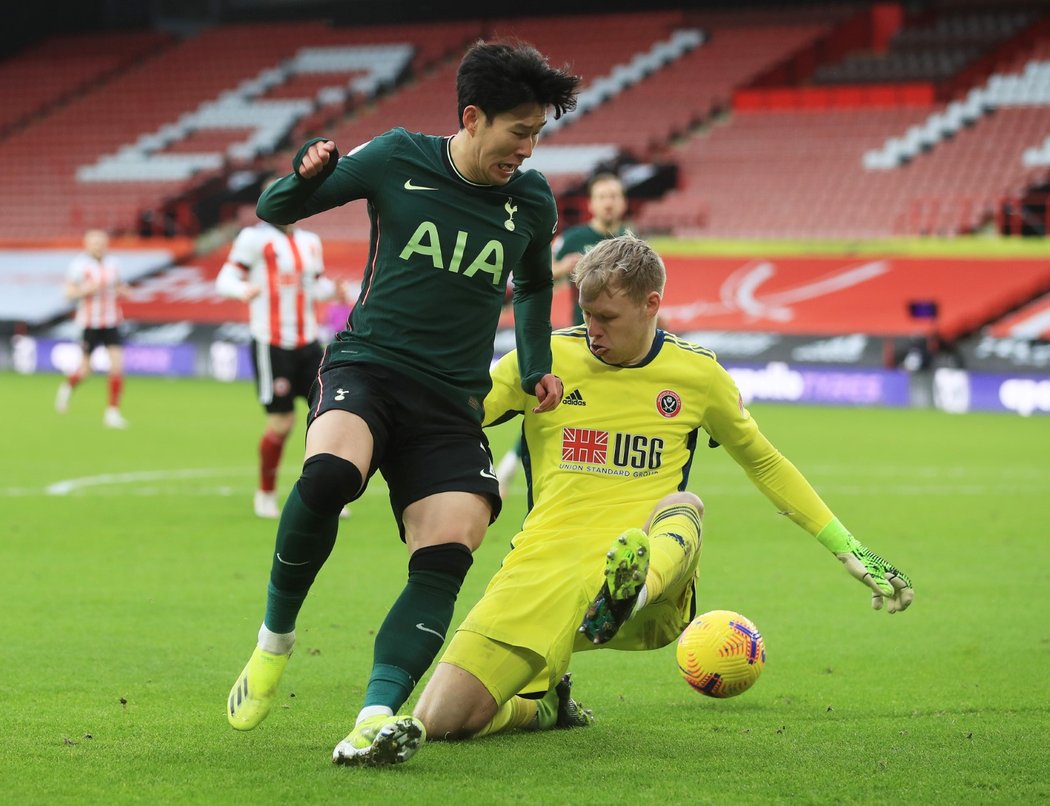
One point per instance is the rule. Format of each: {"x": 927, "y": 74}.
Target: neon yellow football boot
{"x": 253, "y": 694}
{"x": 626, "y": 566}
{"x": 380, "y": 740}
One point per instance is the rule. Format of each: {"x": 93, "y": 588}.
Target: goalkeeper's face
{"x": 620, "y": 330}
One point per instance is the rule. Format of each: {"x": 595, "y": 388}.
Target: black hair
{"x": 604, "y": 176}
{"x": 499, "y": 76}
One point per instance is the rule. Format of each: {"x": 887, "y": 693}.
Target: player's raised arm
{"x": 286, "y": 200}
{"x": 316, "y": 158}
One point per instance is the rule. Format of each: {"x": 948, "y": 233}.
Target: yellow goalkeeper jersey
{"x": 624, "y": 437}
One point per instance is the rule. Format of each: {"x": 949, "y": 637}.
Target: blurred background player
{"x": 607, "y": 204}
{"x": 278, "y": 271}
{"x": 93, "y": 281}
{"x": 620, "y": 461}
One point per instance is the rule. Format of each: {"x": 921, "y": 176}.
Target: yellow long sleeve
{"x": 782, "y": 483}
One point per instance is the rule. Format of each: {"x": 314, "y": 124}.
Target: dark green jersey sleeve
{"x": 292, "y": 198}
{"x": 533, "y": 292}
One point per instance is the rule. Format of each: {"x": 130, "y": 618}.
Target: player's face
{"x": 500, "y": 144}
{"x": 96, "y": 242}
{"x": 608, "y": 204}
{"x": 620, "y": 330}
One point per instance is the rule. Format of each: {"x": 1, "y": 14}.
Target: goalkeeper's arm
{"x": 781, "y": 482}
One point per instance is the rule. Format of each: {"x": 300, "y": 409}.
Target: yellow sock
{"x": 674, "y": 549}
{"x": 515, "y": 713}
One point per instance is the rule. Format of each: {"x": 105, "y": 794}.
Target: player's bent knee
{"x": 328, "y": 483}
{"x": 682, "y": 498}
{"x": 453, "y": 559}
{"x": 449, "y": 712}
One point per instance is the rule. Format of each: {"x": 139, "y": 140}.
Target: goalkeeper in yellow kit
{"x": 638, "y": 401}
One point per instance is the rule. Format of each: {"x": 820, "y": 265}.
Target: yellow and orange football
{"x": 721, "y": 653}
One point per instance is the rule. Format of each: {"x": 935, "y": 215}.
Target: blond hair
{"x": 625, "y": 263}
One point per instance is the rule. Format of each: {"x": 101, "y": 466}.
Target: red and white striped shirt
{"x": 102, "y": 308}
{"x": 287, "y": 268}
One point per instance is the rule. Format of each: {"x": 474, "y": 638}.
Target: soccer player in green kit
{"x": 401, "y": 389}
{"x": 607, "y": 203}
{"x": 617, "y": 460}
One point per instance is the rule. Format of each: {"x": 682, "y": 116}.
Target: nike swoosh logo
{"x": 489, "y": 474}
{"x": 427, "y": 629}
{"x": 409, "y": 185}
{"x": 285, "y": 562}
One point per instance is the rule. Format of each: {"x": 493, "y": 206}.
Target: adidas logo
{"x": 574, "y": 398}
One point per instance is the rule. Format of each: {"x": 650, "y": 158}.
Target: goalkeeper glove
{"x": 889, "y": 585}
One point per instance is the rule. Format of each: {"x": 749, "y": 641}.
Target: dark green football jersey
{"x": 442, "y": 250}
{"x": 579, "y": 239}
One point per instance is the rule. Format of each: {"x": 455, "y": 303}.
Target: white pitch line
{"x": 68, "y": 486}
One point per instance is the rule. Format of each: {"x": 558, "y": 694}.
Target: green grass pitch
{"x": 133, "y": 575}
